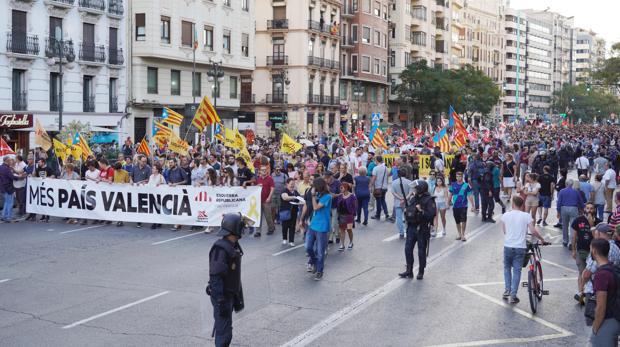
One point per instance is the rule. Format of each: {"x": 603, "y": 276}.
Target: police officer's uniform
{"x": 225, "y": 278}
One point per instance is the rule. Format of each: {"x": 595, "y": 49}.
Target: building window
{"x": 375, "y": 66}
{"x": 366, "y": 35}
{"x": 186, "y": 33}
{"x": 377, "y": 38}
{"x": 343, "y": 91}
{"x": 373, "y": 94}
{"x": 245, "y": 45}
{"x": 113, "y": 95}
{"x": 354, "y": 62}
{"x": 393, "y": 58}
{"x": 140, "y": 27}
{"x": 383, "y": 68}
{"x": 197, "y": 84}
{"x": 385, "y": 12}
{"x": 366, "y": 6}
{"x": 365, "y": 64}
{"x": 354, "y": 33}
{"x": 175, "y": 82}
{"x": 227, "y": 3}
{"x": 165, "y": 29}
{"x": 226, "y": 43}
{"x": 245, "y": 5}
{"x": 151, "y": 78}
{"x": 233, "y": 87}
{"x": 377, "y": 9}
{"x": 88, "y": 94}
{"x": 54, "y": 88}
{"x": 207, "y": 39}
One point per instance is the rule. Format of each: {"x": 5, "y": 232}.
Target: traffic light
{"x": 563, "y": 115}
{"x": 588, "y": 87}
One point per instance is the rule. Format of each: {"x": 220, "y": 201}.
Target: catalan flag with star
{"x": 205, "y": 115}
{"x": 442, "y": 140}
{"x": 82, "y": 144}
{"x": 162, "y": 130}
{"x": 171, "y": 117}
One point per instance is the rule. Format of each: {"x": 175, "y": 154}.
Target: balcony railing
{"x": 329, "y": 100}
{"x": 92, "y": 53}
{"x": 314, "y": 25}
{"x": 276, "y": 99}
{"x": 89, "y": 103}
{"x": 113, "y": 104}
{"x": 324, "y": 28}
{"x": 277, "y": 60}
{"x": 248, "y": 98}
{"x": 314, "y": 99}
{"x": 346, "y": 41}
{"x": 277, "y": 24}
{"x": 22, "y": 43}
{"x": 62, "y": 3}
{"x": 20, "y": 101}
{"x": 98, "y": 5}
{"x": 115, "y": 7}
{"x": 442, "y": 3}
{"x": 440, "y": 23}
{"x": 116, "y": 56}
{"x": 51, "y": 49}
{"x": 315, "y": 61}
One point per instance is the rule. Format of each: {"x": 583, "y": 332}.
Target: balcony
{"x": 325, "y": 28}
{"x": 22, "y": 45}
{"x": 347, "y": 11}
{"x": 20, "y": 101}
{"x": 115, "y": 8}
{"x": 89, "y": 103}
{"x": 116, "y": 56}
{"x": 346, "y": 72}
{"x": 314, "y": 99}
{"x": 314, "y": 25}
{"x": 91, "y": 53}
{"x": 113, "y": 104}
{"x": 315, "y": 61}
{"x": 60, "y": 4}
{"x": 248, "y": 98}
{"x": 277, "y": 24}
{"x": 276, "y": 98}
{"x": 443, "y": 3}
{"x": 441, "y": 24}
{"x": 277, "y": 60}
{"x": 93, "y": 7}
{"x": 346, "y": 42}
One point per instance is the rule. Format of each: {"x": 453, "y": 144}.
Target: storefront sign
{"x": 15, "y": 121}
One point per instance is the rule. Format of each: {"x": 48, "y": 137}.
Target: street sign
{"x": 376, "y": 119}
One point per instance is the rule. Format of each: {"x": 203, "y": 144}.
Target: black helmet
{"x": 232, "y": 224}
{"x": 420, "y": 186}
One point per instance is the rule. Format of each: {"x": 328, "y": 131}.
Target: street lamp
{"x": 358, "y": 91}
{"x": 281, "y": 81}
{"x": 215, "y": 75}
{"x": 57, "y": 49}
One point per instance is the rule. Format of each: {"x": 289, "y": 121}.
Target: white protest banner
{"x": 184, "y": 205}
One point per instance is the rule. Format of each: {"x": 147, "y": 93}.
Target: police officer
{"x": 225, "y": 277}
{"x": 420, "y": 213}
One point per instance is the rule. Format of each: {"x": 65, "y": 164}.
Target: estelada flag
{"x": 171, "y": 117}
{"x": 442, "y": 140}
{"x": 205, "y": 115}
{"x": 143, "y": 147}
{"x": 344, "y": 139}
{"x": 80, "y": 142}
{"x": 5, "y": 149}
{"x": 162, "y": 130}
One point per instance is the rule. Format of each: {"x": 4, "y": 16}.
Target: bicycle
{"x": 534, "y": 284}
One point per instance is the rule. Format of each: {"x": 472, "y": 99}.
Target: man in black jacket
{"x": 420, "y": 213}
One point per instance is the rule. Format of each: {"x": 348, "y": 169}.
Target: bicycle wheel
{"x": 539, "y": 280}
{"x": 531, "y": 290}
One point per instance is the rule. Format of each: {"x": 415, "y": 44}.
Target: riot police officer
{"x": 225, "y": 277}
{"x": 419, "y": 214}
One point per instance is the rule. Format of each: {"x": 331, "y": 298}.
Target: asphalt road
{"x": 70, "y": 285}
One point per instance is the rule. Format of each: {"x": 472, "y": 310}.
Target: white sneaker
{"x": 284, "y": 242}
{"x": 292, "y": 244}
{"x": 433, "y": 234}
{"x": 443, "y": 232}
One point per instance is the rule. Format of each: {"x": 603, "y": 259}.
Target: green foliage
{"x": 69, "y": 130}
{"x": 608, "y": 72}
{"x": 577, "y": 102}
{"x": 291, "y": 130}
{"x": 432, "y": 90}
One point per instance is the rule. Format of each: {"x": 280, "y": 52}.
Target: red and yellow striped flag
{"x": 171, "y": 117}
{"x": 377, "y": 140}
{"x": 162, "y": 130}
{"x": 143, "y": 147}
{"x": 205, "y": 115}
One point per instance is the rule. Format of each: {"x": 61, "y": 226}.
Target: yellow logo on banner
{"x": 425, "y": 164}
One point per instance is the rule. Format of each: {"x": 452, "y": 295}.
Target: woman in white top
{"x": 92, "y": 174}
{"x": 441, "y": 200}
{"x": 599, "y": 195}
{"x": 155, "y": 180}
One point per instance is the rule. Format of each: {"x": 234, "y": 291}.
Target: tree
{"x": 478, "y": 92}
{"x": 579, "y": 103}
{"x": 608, "y": 72}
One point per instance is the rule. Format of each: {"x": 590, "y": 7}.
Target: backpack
{"x": 613, "y": 302}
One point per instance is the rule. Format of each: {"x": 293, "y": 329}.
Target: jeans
{"x": 419, "y": 235}
{"x": 400, "y": 225}
{"x": 362, "y": 204}
{"x": 607, "y": 334}
{"x": 513, "y": 262}
{"x": 7, "y": 210}
{"x": 567, "y": 215}
{"x": 381, "y": 204}
{"x": 316, "y": 257}
{"x": 223, "y": 323}
{"x": 600, "y": 210}
{"x": 475, "y": 190}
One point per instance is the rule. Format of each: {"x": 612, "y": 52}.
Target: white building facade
{"x": 94, "y": 84}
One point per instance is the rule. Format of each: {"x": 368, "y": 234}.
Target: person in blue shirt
{"x": 460, "y": 195}
{"x": 316, "y": 237}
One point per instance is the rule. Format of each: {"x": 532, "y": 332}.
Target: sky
{"x": 601, "y": 16}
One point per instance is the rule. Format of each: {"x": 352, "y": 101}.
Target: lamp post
{"x": 358, "y": 91}
{"x": 281, "y": 82}
{"x": 59, "y": 46}
{"x": 215, "y": 75}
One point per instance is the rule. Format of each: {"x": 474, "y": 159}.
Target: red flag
{"x": 5, "y": 149}
{"x": 360, "y": 134}
{"x": 344, "y": 139}
{"x": 404, "y": 134}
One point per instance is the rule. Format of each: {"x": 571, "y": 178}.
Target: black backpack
{"x": 613, "y": 302}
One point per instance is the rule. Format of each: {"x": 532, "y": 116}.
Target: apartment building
{"x": 296, "y": 80}
{"x": 419, "y": 29}
{"x": 514, "y": 86}
{"x": 589, "y": 51}
{"x": 91, "y": 34}
{"x": 183, "y": 50}
{"x": 364, "y": 61}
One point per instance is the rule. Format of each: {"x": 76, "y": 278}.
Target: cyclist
{"x": 515, "y": 225}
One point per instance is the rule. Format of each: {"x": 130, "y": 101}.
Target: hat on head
{"x": 604, "y": 228}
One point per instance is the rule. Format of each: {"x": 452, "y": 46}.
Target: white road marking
{"x": 114, "y": 310}
{"x": 287, "y": 250}
{"x": 80, "y": 229}
{"x": 367, "y": 300}
{"x": 558, "y": 265}
{"x": 175, "y": 238}
{"x": 50, "y": 229}
{"x": 5, "y": 280}
{"x": 500, "y": 341}
{"x": 502, "y": 282}
{"x": 391, "y": 238}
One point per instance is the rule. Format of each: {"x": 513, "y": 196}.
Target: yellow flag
{"x": 76, "y": 151}
{"x": 239, "y": 139}
{"x": 245, "y": 155}
{"x": 60, "y": 149}
{"x": 177, "y": 145}
{"x": 289, "y": 145}
{"x": 41, "y": 137}
{"x": 230, "y": 139}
